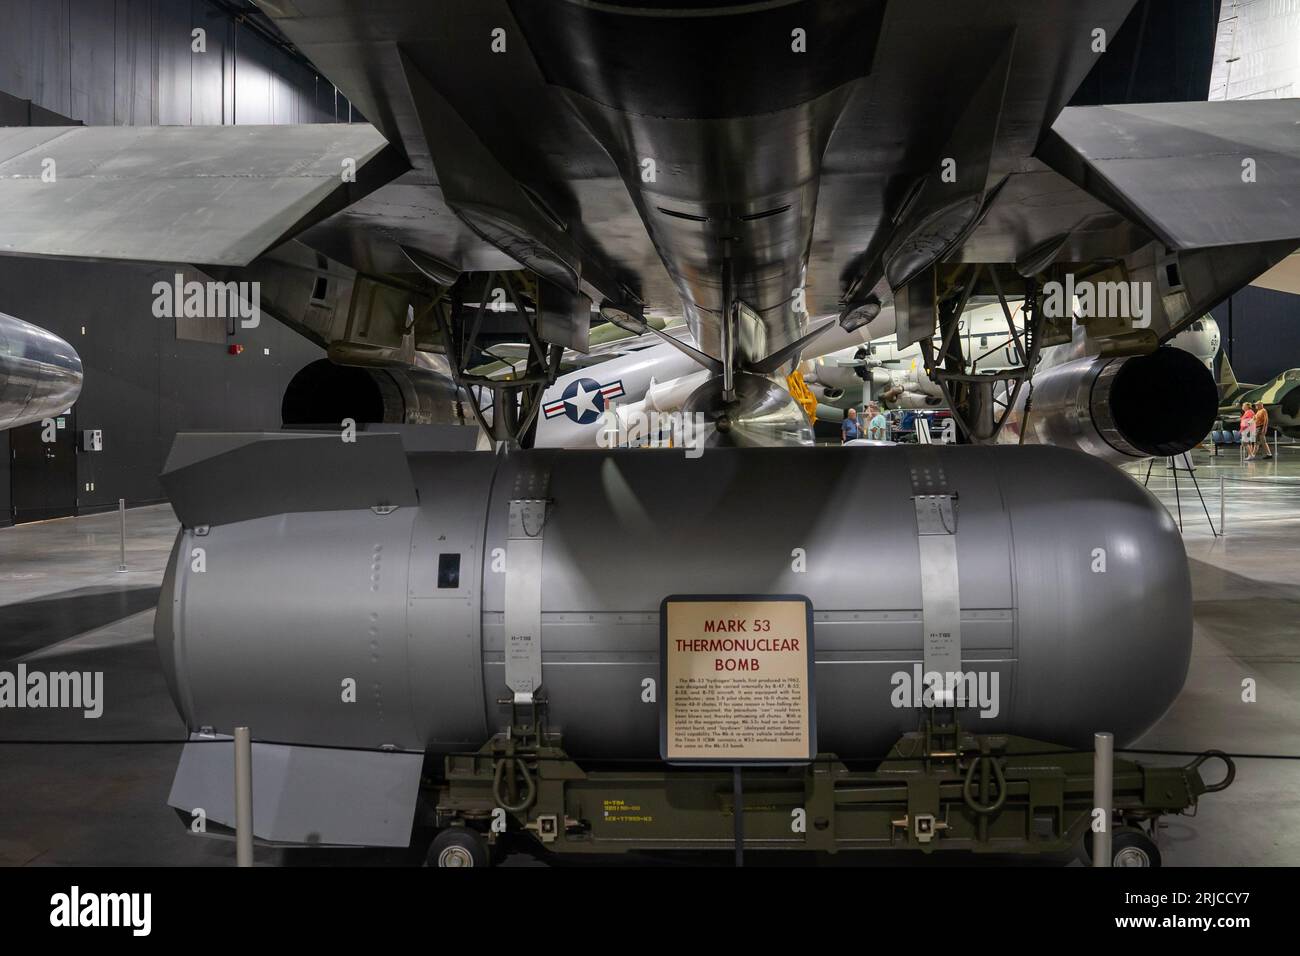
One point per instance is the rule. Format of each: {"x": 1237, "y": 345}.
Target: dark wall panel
{"x": 131, "y": 62}
{"x": 1261, "y": 333}
{"x": 14, "y": 38}
{"x": 208, "y": 87}
{"x": 50, "y": 75}
{"x": 92, "y": 28}
{"x": 142, "y": 385}
{"x": 133, "y": 83}
{"x": 175, "y": 80}
{"x": 1163, "y": 53}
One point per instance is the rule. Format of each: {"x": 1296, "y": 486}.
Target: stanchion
{"x": 243, "y": 797}
{"x": 1103, "y": 796}
{"x": 121, "y": 523}
{"x": 1191, "y": 471}
{"x": 1223, "y": 510}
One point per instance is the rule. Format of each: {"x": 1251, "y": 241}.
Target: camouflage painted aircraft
{"x": 1280, "y": 395}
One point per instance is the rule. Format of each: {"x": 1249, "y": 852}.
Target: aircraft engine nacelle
{"x": 827, "y": 373}
{"x": 325, "y": 393}
{"x": 916, "y": 401}
{"x": 1119, "y": 409}
{"x": 40, "y": 374}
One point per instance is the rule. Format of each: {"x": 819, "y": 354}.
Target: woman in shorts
{"x": 1261, "y": 432}
{"x": 1248, "y": 430}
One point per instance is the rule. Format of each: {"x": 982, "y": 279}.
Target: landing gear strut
{"x": 981, "y": 402}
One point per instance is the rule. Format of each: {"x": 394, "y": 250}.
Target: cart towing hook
{"x": 511, "y": 768}
{"x": 505, "y": 772}
{"x": 1196, "y": 782}
{"x": 983, "y": 806}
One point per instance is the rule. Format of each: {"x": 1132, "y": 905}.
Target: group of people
{"x": 877, "y": 425}
{"x": 1254, "y": 430}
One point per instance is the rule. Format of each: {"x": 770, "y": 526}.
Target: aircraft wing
{"x": 1196, "y": 175}
{"x": 203, "y": 195}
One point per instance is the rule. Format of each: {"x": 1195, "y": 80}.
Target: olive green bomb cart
{"x": 940, "y": 788}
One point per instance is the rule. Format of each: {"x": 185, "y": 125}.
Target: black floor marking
{"x": 32, "y": 625}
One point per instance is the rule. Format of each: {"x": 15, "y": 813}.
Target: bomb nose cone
{"x": 40, "y": 373}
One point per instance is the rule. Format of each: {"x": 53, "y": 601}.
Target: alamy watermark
{"x": 633, "y": 428}
{"x": 922, "y": 688}
{"x": 74, "y": 690}
{"x": 1098, "y": 300}
{"x": 77, "y": 909}
{"x": 208, "y": 300}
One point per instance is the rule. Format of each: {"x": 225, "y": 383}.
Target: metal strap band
{"x": 936, "y": 527}
{"x": 523, "y": 599}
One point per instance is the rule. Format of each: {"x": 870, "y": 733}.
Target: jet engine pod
{"x": 324, "y": 392}
{"x": 761, "y": 413}
{"x": 1163, "y": 403}
{"x": 1120, "y": 409}
{"x": 384, "y": 572}
{"x": 40, "y": 374}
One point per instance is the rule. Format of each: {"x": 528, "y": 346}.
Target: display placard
{"x": 736, "y": 673}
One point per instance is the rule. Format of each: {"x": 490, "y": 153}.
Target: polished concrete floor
{"x": 63, "y": 603}
{"x": 1246, "y": 588}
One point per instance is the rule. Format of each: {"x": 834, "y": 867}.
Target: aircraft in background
{"x": 589, "y": 406}
{"x": 644, "y": 378}
{"x": 585, "y": 407}
{"x": 40, "y": 374}
{"x": 1280, "y": 395}
{"x": 880, "y": 370}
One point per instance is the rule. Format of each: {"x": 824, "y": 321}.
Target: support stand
{"x": 1103, "y": 797}
{"x": 1178, "y": 501}
{"x": 243, "y": 797}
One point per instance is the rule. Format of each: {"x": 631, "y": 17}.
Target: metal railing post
{"x": 243, "y": 797}
{"x": 121, "y": 523}
{"x": 1103, "y": 795}
{"x": 1223, "y": 510}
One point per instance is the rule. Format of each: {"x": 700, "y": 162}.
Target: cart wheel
{"x": 1128, "y": 847}
{"x": 458, "y": 846}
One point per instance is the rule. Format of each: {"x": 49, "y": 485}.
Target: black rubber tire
{"x": 458, "y": 846}
{"x": 1128, "y": 847}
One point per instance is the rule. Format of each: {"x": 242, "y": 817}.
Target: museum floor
{"x": 63, "y": 603}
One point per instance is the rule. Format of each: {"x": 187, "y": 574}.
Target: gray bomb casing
{"x": 308, "y": 581}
